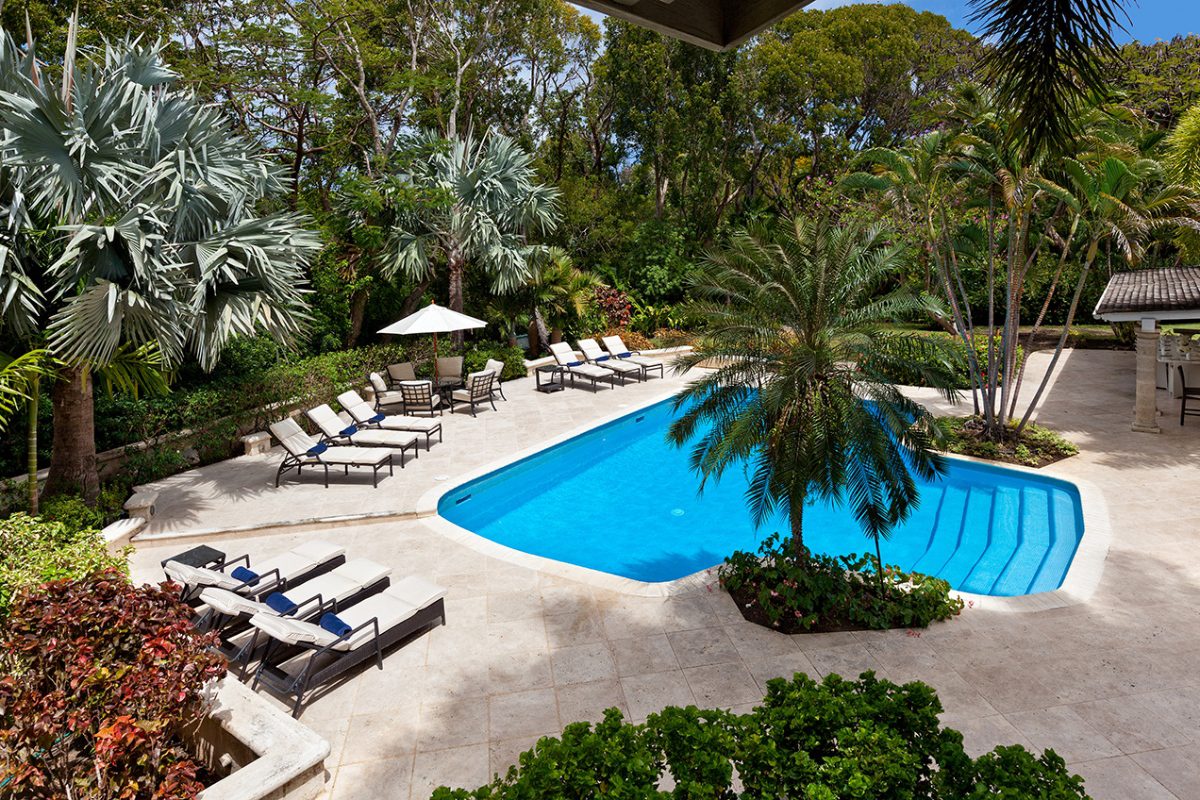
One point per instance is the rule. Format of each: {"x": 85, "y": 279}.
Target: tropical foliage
{"x": 493, "y": 200}
{"x": 802, "y": 388}
{"x": 101, "y": 682}
{"x": 132, "y": 223}
{"x": 834, "y": 740}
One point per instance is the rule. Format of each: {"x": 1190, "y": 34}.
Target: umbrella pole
{"x": 435, "y": 371}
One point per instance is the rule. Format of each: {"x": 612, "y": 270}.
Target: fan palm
{"x": 492, "y": 200}
{"x": 130, "y": 223}
{"x": 795, "y": 318}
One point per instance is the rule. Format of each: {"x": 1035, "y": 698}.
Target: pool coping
{"x": 1079, "y": 584}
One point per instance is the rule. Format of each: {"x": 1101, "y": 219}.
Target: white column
{"x": 1145, "y": 406}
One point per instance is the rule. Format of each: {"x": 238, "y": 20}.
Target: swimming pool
{"x": 621, "y": 499}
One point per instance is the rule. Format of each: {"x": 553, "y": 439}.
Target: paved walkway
{"x": 1110, "y": 684}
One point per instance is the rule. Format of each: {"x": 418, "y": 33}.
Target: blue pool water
{"x": 622, "y": 500}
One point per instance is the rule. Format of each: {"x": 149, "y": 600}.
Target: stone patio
{"x": 1110, "y": 684}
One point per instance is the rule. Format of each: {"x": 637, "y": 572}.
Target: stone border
{"x": 1080, "y": 583}
{"x": 289, "y": 759}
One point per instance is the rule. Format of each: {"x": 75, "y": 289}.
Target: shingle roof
{"x": 1174, "y": 289}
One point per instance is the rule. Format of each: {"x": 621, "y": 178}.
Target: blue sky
{"x": 1149, "y": 19}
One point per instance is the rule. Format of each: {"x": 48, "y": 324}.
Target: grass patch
{"x": 1035, "y": 447}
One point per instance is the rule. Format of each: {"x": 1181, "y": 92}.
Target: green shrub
{"x": 102, "y": 680}
{"x": 34, "y": 552}
{"x": 1034, "y": 447}
{"x": 477, "y": 356}
{"x": 834, "y": 740}
{"x": 779, "y": 589}
{"x": 77, "y": 515}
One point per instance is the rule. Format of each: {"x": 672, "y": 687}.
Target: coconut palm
{"x": 794, "y": 316}
{"x": 492, "y": 201}
{"x": 130, "y": 211}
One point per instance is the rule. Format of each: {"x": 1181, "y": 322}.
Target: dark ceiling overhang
{"x": 715, "y": 24}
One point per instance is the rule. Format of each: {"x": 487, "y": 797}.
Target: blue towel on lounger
{"x": 335, "y": 625}
{"x": 280, "y": 604}
{"x": 624, "y": 355}
{"x": 574, "y": 363}
{"x": 378, "y": 418}
{"x": 353, "y": 429}
{"x": 243, "y": 574}
{"x": 317, "y": 449}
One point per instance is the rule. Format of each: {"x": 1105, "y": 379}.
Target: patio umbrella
{"x": 433, "y": 319}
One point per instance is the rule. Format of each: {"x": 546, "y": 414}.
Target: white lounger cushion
{"x": 353, "y": 456}
{"x": 383, "y": 438}
{"x": 616, "y": 347}
{"x": 593, "y": 353}
{"x": 297, "y": 561}
{"x": 565, "y": 356}
{"x": 390, "y": 608}
{"x": 362, "y": 413}
{"x": 198, "y": 576}
{"x": 351, "y": 577}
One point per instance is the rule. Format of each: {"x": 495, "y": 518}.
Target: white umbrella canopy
{"x": 433, "y": 319}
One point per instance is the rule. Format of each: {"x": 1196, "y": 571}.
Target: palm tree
{"x": 131, "y": 222}
{"x": 794, "y": 314}
{"x": 559, "y": 293}
{"x": 492, "y": 199}
{"x": 1046, "y": 59}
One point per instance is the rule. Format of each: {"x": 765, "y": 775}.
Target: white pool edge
{"x": 1078, "y": 586}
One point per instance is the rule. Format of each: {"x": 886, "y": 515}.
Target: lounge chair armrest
{"x": 260, "y": 584}
{"x": 320, "y": 606}
{"x": 329, "y": 648}
{"x": 244, "y": 558}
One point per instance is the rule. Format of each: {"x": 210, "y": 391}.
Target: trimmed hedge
{"x": 835, "y": 740}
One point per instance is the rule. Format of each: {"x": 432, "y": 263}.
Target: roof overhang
{"x": 714, "y": 24}
{"x": 1158, "y": 294}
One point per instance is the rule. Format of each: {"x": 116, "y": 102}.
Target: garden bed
{"x": 1036, "y": 446}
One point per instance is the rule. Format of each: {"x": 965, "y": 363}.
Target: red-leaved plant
{"x": 614, "y": 305}
{"x": 101, "y": 680}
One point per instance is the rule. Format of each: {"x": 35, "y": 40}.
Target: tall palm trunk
{"x": 358, "y": 310}
{"x": 457, "y": 266}
{"x": 796, "y": 518}
{"x": 33, "y": 407}
{"x": 73, "y": 453}
{"x": 543, "y": 334}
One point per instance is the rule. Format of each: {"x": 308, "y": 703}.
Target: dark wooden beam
{"x": 713, "y": 24}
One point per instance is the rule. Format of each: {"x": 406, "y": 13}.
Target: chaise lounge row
{"x": 370, "y": 441}
{"x": 307, "y": 615}
{"x": 598, "y": 365}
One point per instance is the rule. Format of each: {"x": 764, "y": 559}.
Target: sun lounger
{"x": 332, "y": 591}
{"x": 302, "y": 656}
{"x": 565, "y": 357}
{"x": 304, "y": 451}
{"x": 335, "y": 431}
{"x": 616, "y": 348}
{"x": 365, "y": 416}
{"x": 262, "y": 576}
{"x": 592, "y": 352}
